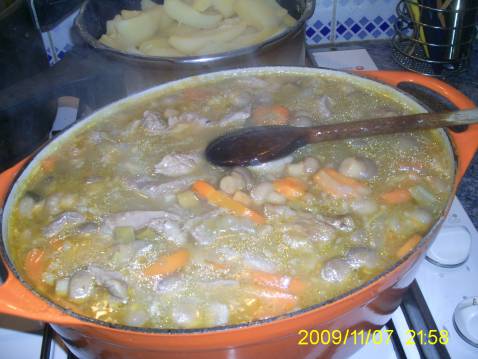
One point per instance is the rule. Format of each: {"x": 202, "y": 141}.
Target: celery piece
{"x": 147, "y": 234}
{"x": 124, "y": 234}
{"x": 423, "y": 196}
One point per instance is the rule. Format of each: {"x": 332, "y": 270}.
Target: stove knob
{"x": 451, "y": 248}
{"x": 465, "y": 320}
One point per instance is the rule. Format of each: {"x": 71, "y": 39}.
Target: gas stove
{"x": 444, "y": 297}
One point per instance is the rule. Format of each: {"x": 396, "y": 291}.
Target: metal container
{"x": 143, "y": 71}
{"x": 435, "y": 37}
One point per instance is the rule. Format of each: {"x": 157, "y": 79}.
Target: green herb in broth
{"x": 127, "y": 223}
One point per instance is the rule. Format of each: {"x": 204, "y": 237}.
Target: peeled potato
{"x": 259, "y": 14}
{"x": 190, "y": 44}
{"x": 225, "y": 7}
{"x": 148, "y": 4}
{"x": 185, "y": 14}
{"x": 158, "y": 14}
{"x": 129, "y": 14}
{"x": 195, "y": 27}
{"x": 202, "y": 5}
{"x": 111, "y": 26}
{"x": 137, "y": 29}
{"x": 159, "y": 46}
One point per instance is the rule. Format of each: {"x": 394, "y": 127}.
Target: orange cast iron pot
{"x": 367, "y": 307}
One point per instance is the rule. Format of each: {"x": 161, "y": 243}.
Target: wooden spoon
{"x": 255, "y": 145}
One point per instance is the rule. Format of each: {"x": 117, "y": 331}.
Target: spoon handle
{"x": 369, "y": 127}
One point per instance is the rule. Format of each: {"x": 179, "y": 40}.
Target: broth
{"x": 127, "y": 223}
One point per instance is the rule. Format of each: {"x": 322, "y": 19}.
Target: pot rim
{"x": 112, "y": 108}
{"x": 309, "y": 7}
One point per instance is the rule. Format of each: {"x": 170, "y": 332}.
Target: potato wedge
{"x": 185, "y": 14}
{"x": 202, "y": 5}
{"x": 148, "y": 4}
{"x": 225, "y": 7}
{"x": 159, "y": 46}
{"x": 129, "y": 14}
{"x": 158, "y": 14}
{"x": 190, "y": 44}
{"x": 137, "y": 29}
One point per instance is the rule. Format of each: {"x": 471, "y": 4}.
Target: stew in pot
{"x": 127, "y": 223}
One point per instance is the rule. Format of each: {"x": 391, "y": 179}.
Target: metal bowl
{"x": 91, "y": 24}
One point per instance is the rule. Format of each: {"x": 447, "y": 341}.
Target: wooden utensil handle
{"x": 370, "y": 127}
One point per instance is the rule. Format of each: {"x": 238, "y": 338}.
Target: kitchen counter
{"x": 466, "y": 82}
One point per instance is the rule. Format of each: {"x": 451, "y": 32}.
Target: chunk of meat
{"x": 342, "y": 223}
{"x": 254, "y": 261}
{"x": 153, "y": 123}
{"x": 157, "y": 189}
{"x": 81, "y": 285}
{"x": 362, "y": 257}
{"x": 218, "y": 314}
{"x": 135, "y": 219}
{"x": 188, "y": 118}
{"x": 208, "y": 230}
{"x": 240, "y": 99}
{"x": 178, "y": 164}
{"x": 113, "y": 282}
{"x": 170, "y": 284}
{"x": 237, "y": 118}
{"x": 65, "y": 221}
{"x": 359, "y": 168}
{"x": 365, "y": 206}
{"x": 336, "y": 270}
{"x": 318, "y": 231}
{"x": 308, "y": 226}
{"x": 171, "y": 229}
{"x": 186, "y": 314}
{"x": 87, "y": 228}
{"x": 136, "y": 317}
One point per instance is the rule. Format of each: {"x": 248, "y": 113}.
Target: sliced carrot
{"x": 49, "y": 163}
{"x": 292, "y": 285}
{"x": 216, "y": 265}
{"x": 168, "y": 264}
{"x": 290, "y": 187}
{"x": 220, "y": 199}
{"x": 396, "y": 196}
{"x": 35, "y": 264}
{"x": 408, "y": 245}
{"x": 270, "y": 115}
{"x": 339, "y": 186}
{"x": 274, "y": 303}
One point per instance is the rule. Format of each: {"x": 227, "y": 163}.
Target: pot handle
{"x": 466, "y": 142}
{"x": 15, "y": 298}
